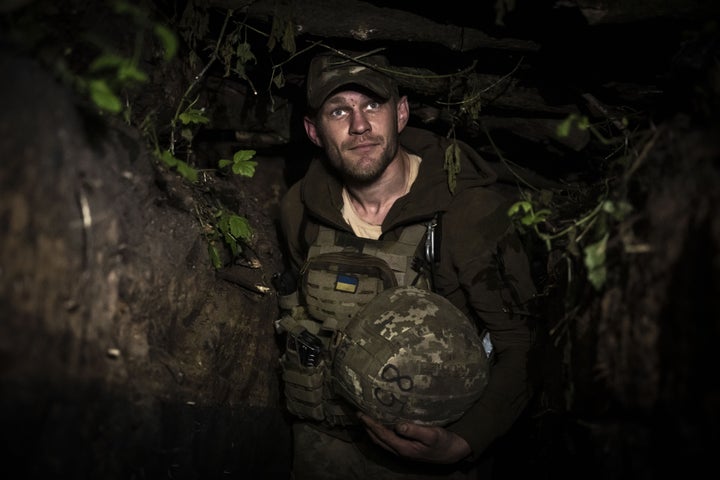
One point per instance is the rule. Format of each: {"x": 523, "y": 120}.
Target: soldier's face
{"x": 359, "y": 133}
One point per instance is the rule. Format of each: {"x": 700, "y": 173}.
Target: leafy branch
{"x": 227, "y": 229}
{"x": 595, "y": 223}
{"x": 102, "y": 86}
{"x": 110, "y": 73}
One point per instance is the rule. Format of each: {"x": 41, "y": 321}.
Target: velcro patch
{"x": 346, "y": 283}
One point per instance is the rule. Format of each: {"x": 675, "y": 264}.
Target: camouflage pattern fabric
{"x": 410, "y": 355}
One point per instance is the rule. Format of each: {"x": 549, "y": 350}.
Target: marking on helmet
{"x": 391, "y": 374}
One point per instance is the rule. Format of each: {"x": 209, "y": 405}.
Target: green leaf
{"x": 528, "y": 216}
{"x": 193, "y": 115}
{"x": 595, "y": 253}
{"x": 183, "y": 168}
{"x": 106, "y": 61}
{"x": 103, "y": 96}
{"x": 168, "y": 40}
{"x": 246, "y": 168}
{"x": 563, "y": 128}
{"x": 187, "y": 171}
{"x": 595, "y": 262}
{"x": 519, "y": 207}
{"x": 573, "y": 247}
{"x": 597, "y": 277}
{"x": 125, "y": 7}
{"x": 541, "y": 215}
{"x": 288, "y": 39}
{"x": 274, "y": 32}
{"x": 126, "y": 69}
{"x": 244, "y": 53}
{"x": 214, "y": 256}
{"x": 239, "y": 227}
{"x": 279, "y": 80}
{"x": 168, "y": 158}
{"x": 232, "y": 227}
{"x": 129, "y": 71}
{"x": 243, "y": 155}
{"x": 241, "y": 163}
{"x": 231, "y": 242}
{"x": 583, "y": 123}
{"x": 187, "y": 134}
{"x": 618, "y": 210}
{"x": 452, "y": 164}
{"x": 240, "y": 70}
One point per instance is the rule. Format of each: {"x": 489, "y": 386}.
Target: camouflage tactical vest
{"x": 340, "y": 276}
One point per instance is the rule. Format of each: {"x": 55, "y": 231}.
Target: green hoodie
{"x": 482, "y": 268}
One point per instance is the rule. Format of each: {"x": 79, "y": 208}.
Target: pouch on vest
{"x": 303, "y": 370}
{"x": 336, "y": 285}
{"x": 304, "y": 389}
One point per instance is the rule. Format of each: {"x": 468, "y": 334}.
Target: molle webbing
{"x": 397, "y": 254}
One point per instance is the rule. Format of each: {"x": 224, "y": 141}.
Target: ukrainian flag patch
{"x": 346, "y": 283}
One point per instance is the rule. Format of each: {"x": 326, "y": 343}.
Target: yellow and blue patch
{"x": 346, "y": 283}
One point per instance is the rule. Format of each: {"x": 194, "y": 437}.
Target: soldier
{"x": 375, "y": 212}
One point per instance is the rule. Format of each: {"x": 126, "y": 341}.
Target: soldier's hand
{"x": 418, "y": 442}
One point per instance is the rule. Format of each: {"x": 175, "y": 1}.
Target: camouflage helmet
{"x": 410, "y": 355}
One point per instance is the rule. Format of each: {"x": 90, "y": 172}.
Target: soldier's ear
{"x": 403, "y": 113}
{"x": 311, "y": 130}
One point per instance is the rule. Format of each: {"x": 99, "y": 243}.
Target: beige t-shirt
{"x": 361, "y": 227}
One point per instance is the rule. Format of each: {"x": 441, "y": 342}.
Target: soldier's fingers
{"x": 379, "y": 441}
{"x": 425, "y": 435}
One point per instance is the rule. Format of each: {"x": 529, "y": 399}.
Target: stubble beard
{"x": 364, "y": 171}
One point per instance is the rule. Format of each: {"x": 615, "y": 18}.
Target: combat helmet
{"x": 410, "y": 355}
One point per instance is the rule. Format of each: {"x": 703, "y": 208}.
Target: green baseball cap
{"x": 330, "y": 71}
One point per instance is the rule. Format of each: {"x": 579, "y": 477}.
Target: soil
{"x": 124, "y": 352}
